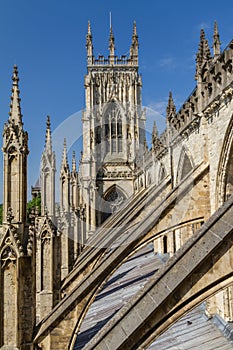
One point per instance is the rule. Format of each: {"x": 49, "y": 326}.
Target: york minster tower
{"x": 113, "y": 129}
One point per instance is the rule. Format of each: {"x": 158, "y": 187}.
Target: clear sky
{"x": 46, "y": 39}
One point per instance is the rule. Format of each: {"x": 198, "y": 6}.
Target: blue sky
{"x": 46, "y": 39}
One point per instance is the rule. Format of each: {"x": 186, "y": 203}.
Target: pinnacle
{"x": 15, "y": 109}
{"x": 216, "y": 41}
{"x": 203, "y": 54}
{"x": 134, "y": 28}
{"x": 65, "y": 164}
{"x": 89, "y": 28}
{"x": 48, "y": 122}
{"x": 111, "y": 42}
{"x": 171, "y": 108}
{"x": 73, "y": 162}
{"x": 134, "y": 46}
{"x": 48, "y": 138}
{"x": 155, "y": 131}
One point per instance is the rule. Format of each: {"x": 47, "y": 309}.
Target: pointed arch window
{"x": 112, "y": 201}
{"x": 113, "y": 131}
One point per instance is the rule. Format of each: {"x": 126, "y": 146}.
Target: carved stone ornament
{"x": 8, "y": 255}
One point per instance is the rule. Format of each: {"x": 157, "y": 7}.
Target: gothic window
{"x": 112, "y": 201}
{"x": 113, "y": 129}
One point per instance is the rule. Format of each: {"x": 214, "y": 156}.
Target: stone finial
{"x": 89, "y": 45}
{"x": 15, "y": 109}
{"x": 171, "y": 108}
{"x": 155, "y": 132}
{"x": 216, "y": 41}
{"x": 48, "y": 137}
{"x": 134, "y": 46}
{"x": 65, "y": 164}
{"x": 203, "y": 55}
{"x": 111, "y": 43}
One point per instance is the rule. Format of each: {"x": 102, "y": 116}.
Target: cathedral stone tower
{"x": 113, "y": 130}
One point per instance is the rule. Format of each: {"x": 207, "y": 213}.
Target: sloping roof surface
{"x": 193, "y": 331}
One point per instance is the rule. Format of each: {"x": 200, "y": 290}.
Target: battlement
{"x": 113, "y": 60}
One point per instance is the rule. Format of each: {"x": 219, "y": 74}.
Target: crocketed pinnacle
{"x": 89, "y": 45}
{"x": 216, "y": 41}
{"x": 155, "y": 131}
{"x": 203, "y": 54}
{"x": 48, "y": 137}
{"x": 65, "y": 164}
{"x": 15, "y": 109}
{"x": 171, "y": 108}
{"x": 111, "y": 42}
{"x": 73, "y": 162}
{"x": 135, "y": 45}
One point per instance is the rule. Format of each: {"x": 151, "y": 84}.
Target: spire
{"x": 73, "y": 162}
{"x": 48, "y": 138}
{"x": 65, "y": 164}
{"x": 216, "y": 41}
{"x": 171, "y": 108}
{"x": 89, "y": 45}
{"x": 111, "y": 42}
{"x": 15, "y": 109}
{"x": 204, "y": 54}
{"x": 135, "y": 45}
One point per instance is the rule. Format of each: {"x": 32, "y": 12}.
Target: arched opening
{"x": 112, "y": 129}
{"x": 112, "y": 201}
